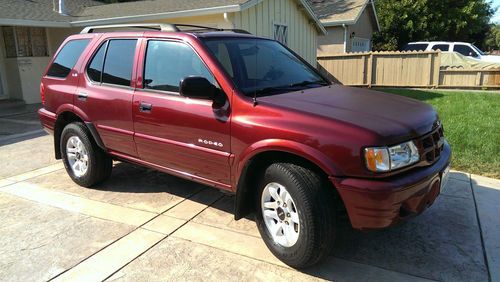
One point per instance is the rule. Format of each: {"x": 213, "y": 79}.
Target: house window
{"x": 23, "y": 41}
{"x": 281, "y": 33}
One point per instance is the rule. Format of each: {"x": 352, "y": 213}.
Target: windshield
{"x": 477, "y": 50}
{"x": 263, "y": 67}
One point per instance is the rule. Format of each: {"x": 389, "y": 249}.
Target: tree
{"x": 404, "y": 21}
{"x": 493, "y": 38}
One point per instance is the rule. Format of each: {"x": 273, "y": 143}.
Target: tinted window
{"x": 167, "y": 63}
{"x": 264, "y": 67}
{"x": 94, "y": 69}
{"x": 464, "y": 50}
{"x": 415, "y": 47}
{"x": 119, "y": 62}
{"x": 67, "y": 57}
{"x": 442, "y": 47}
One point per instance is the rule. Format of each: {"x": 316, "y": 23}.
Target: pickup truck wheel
{"x": 84, "y": 161}
{"x": 296, "y": 215}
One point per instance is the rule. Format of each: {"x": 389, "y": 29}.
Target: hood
{"x": 393, "y": 118}
{"x": 490, "y": 58}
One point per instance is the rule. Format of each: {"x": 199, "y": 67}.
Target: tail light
{"x": 42, "y": 93}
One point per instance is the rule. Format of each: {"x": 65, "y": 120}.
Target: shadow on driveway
{"x": 443, "y": 243}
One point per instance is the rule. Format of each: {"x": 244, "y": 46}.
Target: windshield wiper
{"x": 269, "y": 90}
{"x": 307, "y": 83}
{"x": 284, "y": 88}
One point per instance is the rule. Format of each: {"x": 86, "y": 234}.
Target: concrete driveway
{"x": 146, "y": 225}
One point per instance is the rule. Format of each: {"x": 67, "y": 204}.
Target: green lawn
{"x": 472, "y": 126}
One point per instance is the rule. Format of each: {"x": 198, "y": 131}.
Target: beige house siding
{"x": 333, "y": 42}
{"x": 260, "y": 19}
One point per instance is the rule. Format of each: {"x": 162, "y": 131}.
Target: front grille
{"x": 431, "y": 145}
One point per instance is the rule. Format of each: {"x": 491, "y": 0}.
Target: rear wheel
{"x": 296, "y": 214}
{"x": 85, "y": 162}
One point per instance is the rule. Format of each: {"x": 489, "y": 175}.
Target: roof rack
{"x": 157, "y": 26}
{"x": 201, "y": 27}
{"x": 162, "y": 27}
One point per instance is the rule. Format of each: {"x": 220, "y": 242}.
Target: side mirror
{"x": 473, "y": 54}
{"x": 197, "y": 87}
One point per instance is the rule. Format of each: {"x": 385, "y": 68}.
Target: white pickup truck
{"x": 466, "y": 49}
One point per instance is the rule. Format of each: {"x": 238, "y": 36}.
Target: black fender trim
{"x": 96, "y": 136}
{"x": 244, "y": 202}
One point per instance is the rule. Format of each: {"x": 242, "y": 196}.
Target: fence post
{"x": 369, "y": 74}
{"x": 437, "y": 69}
{"x": 479, "y": 78}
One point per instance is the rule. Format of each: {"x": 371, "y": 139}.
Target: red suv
{"x": 247, "y": 115}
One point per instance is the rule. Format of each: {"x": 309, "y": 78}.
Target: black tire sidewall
{"x": 78, "y": 129}
{"x": 299, "y": 250}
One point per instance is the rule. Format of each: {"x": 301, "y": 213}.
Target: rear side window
{"x": 118, "y": 62}
{"x": 67, "y": 57}
{"x": 442, "y": 47}
{"x": 167, "y": 63}
{"x": 416, "y": 47}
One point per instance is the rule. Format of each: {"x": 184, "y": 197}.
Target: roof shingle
{"x": 337, "y": 10}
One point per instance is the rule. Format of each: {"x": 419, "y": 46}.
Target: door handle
{"x": 82, "y": 96}
{"x": 145, "y": 107}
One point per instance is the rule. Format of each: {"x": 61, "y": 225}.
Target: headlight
{"x": 383, "y": 159}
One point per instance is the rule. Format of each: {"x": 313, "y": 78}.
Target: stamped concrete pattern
{"x": 143, "y": 225}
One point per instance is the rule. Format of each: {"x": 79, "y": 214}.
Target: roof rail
{"x": 161, "y": 27}
{"x": 201, "y": 27}
{"x": 158, "y": 26}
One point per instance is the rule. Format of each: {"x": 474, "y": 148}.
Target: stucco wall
{"x": 363, "y": 28}
{"x": 260, "y": 19}
{"x": 333, "y": 42}
{"x": 21, "y": 76}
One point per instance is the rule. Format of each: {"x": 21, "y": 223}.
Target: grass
{"x": 472, "y": 126}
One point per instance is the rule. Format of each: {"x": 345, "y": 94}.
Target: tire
{"x": 312, "y": 204}
{"x": 94, "y": 164}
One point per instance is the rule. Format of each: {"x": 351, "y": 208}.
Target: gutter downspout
{"x": 345, "y": 38}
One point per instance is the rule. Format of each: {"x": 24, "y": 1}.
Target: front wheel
{"x": 296, "y": 214}
{"x": 85, "y": 162}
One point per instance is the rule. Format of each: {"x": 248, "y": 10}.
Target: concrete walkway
{"x": 146, "y": 225}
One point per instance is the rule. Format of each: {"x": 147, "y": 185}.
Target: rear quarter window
{"x": 415, "y": 47}
{"x": 67, "y": 58}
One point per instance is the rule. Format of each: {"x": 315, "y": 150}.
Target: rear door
{"x": 105, "y": 94}
{"x": 183, "y": 135}
{"x": 61, "y": 79}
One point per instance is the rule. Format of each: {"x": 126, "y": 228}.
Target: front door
{"x": 186, "y": 136}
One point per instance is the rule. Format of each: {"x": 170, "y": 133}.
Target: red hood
{"x": 394, "y": 118}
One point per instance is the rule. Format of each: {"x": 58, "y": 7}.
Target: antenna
{"x": 255, "y": 92}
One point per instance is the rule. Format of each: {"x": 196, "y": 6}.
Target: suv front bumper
{"x": 380, "y": 203}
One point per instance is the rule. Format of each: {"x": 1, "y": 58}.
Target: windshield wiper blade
{"x": 307, "y": 82}
{"x": 273, "y": 89}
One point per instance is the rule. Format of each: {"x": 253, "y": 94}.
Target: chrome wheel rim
{"x": 280, "y": 214}
{"x": 78, "y": 156}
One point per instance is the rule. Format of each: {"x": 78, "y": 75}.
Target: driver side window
{"x": 464, "y": 50}
{"x": 168, "y": 62}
